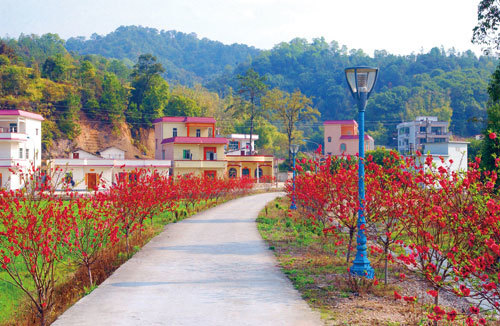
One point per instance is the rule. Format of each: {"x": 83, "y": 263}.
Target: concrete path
{"x": 210, "y": 269}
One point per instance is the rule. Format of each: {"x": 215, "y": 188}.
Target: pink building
{"x": 342, "y": 138}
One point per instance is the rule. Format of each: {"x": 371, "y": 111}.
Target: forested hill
{"x": 440, "y": 82}
{"x": 186, "y": 58}
{"x": 450, "y": 85}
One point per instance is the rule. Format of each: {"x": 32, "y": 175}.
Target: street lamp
{"x": 294, "y": 148}
{"x": 361, "y": 81}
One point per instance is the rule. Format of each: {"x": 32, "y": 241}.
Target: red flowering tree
{"x": 35, "y": 229}
{"x": 387, "y": 193}
{"x": 91, "y": 233}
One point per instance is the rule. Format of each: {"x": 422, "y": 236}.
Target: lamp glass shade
{"x": 294, "y": 148}
{"x": 361, "y": 79}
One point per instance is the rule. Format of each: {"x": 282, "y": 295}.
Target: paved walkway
{"x": 210, "y": 269}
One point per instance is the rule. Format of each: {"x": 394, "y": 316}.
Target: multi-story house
{"x": 342, "y": 138}
{"x": 413, "y": 135}
{"x": 20, "y": 145}
{"x": 190, "y": 143}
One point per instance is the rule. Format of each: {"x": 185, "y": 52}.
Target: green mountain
{"x": 66, "y": 76}
{"x": 186, "y": 58}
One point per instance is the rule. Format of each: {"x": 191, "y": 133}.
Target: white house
{"x": 423, "y": 130}
{"x": 113, "y": 153}
{"x": 81, "y": 154}
{"x": 20, "y": 145}
{"x": 239, "y": 144}
{"x": 456, "y": 151}
{"x": 86, "y": 171}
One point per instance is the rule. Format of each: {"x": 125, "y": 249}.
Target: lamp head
{"x": 361, "y": 80}
{"x": 294, "y": 148}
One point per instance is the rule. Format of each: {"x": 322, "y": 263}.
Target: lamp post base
{"x": 293, "y": 206}
{"x": 363, "y": 269}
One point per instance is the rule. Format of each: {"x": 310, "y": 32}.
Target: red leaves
{"x": 397, "y": 296}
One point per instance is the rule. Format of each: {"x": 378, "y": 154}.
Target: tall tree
{"x": 491, "y": 145}
{"x": 251, "y": 88}
{"x": 488, "y": 22}
{"x": 289, "y": 110}
{"x": 149, "y": 92}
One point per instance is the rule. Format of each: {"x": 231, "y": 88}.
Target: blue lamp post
{"x": 361, "y": 81}
{"x": 294, "y": 148}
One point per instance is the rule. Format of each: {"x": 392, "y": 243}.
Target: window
{"x": 423, "y": 129}
{"x": 198, "y": 133}
{"x": 437, "y": 130}
{"x": 174, "y": 132}
{"x": 186, "y": 154}
{"x": 36, "y": 131}
{"x": 232, "y": 173}
{"x": 20, "y": 153}
{"x": 245, "y": 172}
{"x": 36, "y": 154}
{"x": 210, "y": 132}
{"x": 343, "y": 147}
{"x": 163, "y": 154}
{"x": 233, "y": 145}
{"x": 156, "y": 143}
{"x": 210, "y": 153}
{"x": 423, "y": 140}
{"x": 76, "y": 155}
{"x": 329, "y": 139}
{"x": 13, "y": 127}
{"x": 27, "y": 153}
{"x": 260, "y": 173}
{"x": 440, "y": 140}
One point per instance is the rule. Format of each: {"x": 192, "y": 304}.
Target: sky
{"x": 397, "y": 26}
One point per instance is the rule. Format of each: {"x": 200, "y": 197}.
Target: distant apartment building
{"x": 423, "y": 130}
{"x": 341, "y": 137}
{"x": 20, "y": 145}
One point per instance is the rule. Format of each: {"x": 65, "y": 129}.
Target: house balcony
{"x": 196, "y": 164}
{"x": 424, "y": 134}
{"x": 251, "y": 158}
{"x": 14, "y": 163}
{"x": 12, "y": 136}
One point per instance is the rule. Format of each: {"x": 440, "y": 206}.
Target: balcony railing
{"x": 433, "y": 134}
{"x": 14, "y": 136}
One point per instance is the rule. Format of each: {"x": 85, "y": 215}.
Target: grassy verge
{"x": 318, "y": 270}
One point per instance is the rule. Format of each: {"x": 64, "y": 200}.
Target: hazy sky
{"x": 398, "y": 26}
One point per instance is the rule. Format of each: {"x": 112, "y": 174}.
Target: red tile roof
{"x": 355, "y": 137}
{"x": 195, "y": 140}
{"x": 186, "y": 119}
{"x": 22, "y": 113}
{"x": 340, "y": 122}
